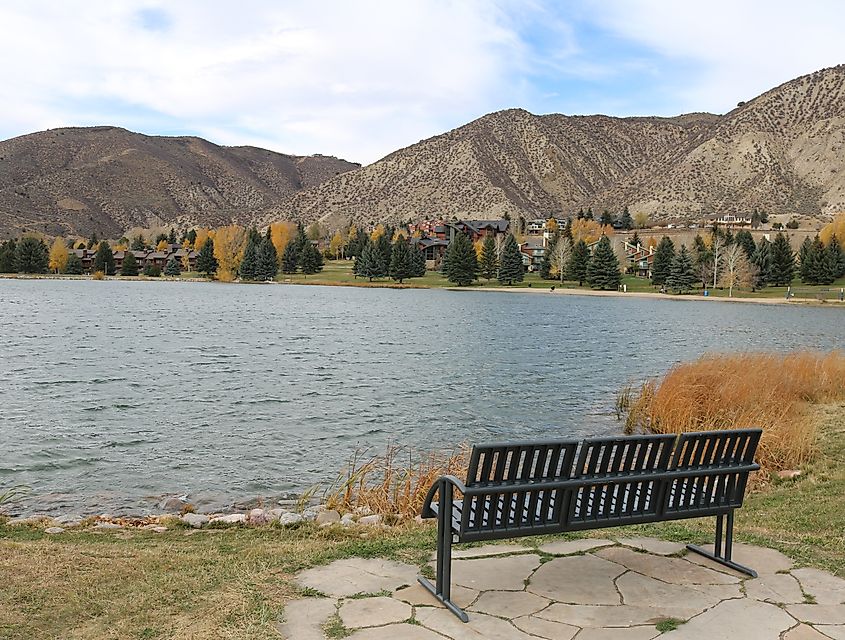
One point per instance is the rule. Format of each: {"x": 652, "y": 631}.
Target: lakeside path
{"x": 542, "y": 288}
{"x": 647, "y": 294}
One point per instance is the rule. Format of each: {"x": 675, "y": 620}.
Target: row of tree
{"x": 383, "y": 259}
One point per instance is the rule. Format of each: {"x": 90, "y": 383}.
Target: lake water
{"x": 117, "y": 393}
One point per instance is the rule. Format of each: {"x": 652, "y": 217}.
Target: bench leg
{"x": 442, "y": 589}
{"x": 723, "y": 545}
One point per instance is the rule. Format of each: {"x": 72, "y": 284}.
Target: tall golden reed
{"x": 767, "y": 390}
{"x": 394, "y": 483}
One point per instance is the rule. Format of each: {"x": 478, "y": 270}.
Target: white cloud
{"x": 731, "y": 50}
{"x": 356, "y": 79}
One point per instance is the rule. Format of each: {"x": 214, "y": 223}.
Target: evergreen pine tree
{"x": 401, "y": 260}
{"x": 93, "y": 242}
{"x": 104, "y": 259}
{"x": 206, "y": 260}
{"x": 192, "y": 237}
{"x": 489, "y": 263}
{"x": 702, "y": 259}
{"x": 567, "y": 229}
{"x": 311, "y": 260}
{"x": 129, "y": 266}
{"x": 625, "y": 220}
{"x": 807, "y": 262}
{"x": 546, "y": 263}
{"x": 249, "y": 263}
{"x": 576, "y": 269}
{"x": 74, "y": 264}
{"x": 762, "y": 261}
{"x": 744, "y": 239}
{"x": 418, "y": 261}
{"x": 783, "y": 261}
{"x": 171, "y": 239}
{"x": 369, "y": 264}
{"x": 603, "y": 267}
{"x": 836, "y": 257}
{"x": 31, "y": 256}
{"x": 729, "y": 237}
{"x": 268, "y": 262}
{"x": 173, "y": 269}
{"x": 385, "y": 249}
{"x": 635, "y": 239}
{"x": 821, "y": 269}
{"x": 664, "y": 256}
{"x": 683, "y": 275}
{"x": 290, "y": 257}
{"x": 588, "y": 215}
{"x": 7, "y": 256}
{"x": 138, "y": 243}
{"x": 606, "y": 219}
{"x": 511, "y": 268}
{"x": 461, "y": 261}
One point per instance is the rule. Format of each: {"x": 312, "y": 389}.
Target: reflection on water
{"x": 115, "y": 393}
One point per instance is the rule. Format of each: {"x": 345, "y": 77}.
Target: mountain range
{"x": 782, "y": 152}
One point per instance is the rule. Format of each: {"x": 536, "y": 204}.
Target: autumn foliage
{"x": 394, "y": 483}
{"x": 766, "y": 390}
{"x": 837, "y": 228}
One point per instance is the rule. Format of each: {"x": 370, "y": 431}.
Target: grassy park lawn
{"x": 232, "y": 583}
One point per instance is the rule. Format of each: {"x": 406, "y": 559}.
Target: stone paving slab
{"x": 546, "y": 628}
{"x": 672, "y": 570}
{"x": 824, "y": 587}
{"x": 507, "y": 573}
{"x": 344, "y": 578}
{"x": 570, "y": 547}
{"x": 487, "y": 550}
{"x": 578, "y": 579}
{"x": 735, "y": 619}
{"x": 652, "y": 545}
{"x": 304, "y": 619}
{"x": 416, "y": 594}
{"x": 778, "y": 588}
{"x": 510, "y": 604}
{"x": 373, "y": 612}
{"x": 395, "y": 632}
{"x": 763, "y": 561}
{"x": 608, "y": 591}
{"x": 804, "y": 632}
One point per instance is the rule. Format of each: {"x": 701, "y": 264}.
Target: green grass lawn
{"x": 232, "y": 583}
{"x": 339, "y": 272}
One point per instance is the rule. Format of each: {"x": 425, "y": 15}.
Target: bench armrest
{"x": 442, "y": 480}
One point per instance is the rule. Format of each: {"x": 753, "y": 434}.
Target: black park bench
{"x": 517, "y": 489}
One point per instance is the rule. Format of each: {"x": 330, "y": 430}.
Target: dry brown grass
{"x": 766, "y": 390}
{"x": 393, "y": 483}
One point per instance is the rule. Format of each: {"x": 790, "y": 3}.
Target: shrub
{"x": 152, "y": 271}
{"x": 765, "y": 390}
{"x": 99, "y": 275}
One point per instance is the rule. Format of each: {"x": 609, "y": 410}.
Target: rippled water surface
{"x": 116, "y": 393}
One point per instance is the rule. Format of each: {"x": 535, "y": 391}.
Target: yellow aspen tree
{"x": 336, "y": 244}
{"x": 58, "y": 255}
{"x": 202, "y": 236}
{"x": 229, "y": 244}
{"x": 377, "y": 232}
{"x": 551, "y": 225}
{"x": 186, "y": 261}
{"x": 281, "y": 233}
{"x": 478, "y": 245}
{"x": 837, "y": 228}
{"x": 162, "y": 245}
{"x": 587, "y": 230}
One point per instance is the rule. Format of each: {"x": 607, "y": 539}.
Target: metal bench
{"x": 517, "y": 489}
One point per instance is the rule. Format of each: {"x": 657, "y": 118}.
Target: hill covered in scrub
{"x": 782, "y": 152}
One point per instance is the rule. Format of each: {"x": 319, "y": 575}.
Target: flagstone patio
{"x": 624, "y": 589}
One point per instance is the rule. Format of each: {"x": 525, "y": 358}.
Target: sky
{"x": 360, "y": 79}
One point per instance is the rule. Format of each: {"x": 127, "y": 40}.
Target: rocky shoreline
{"x": 320, "y": 515}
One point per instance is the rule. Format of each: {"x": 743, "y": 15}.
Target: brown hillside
{"x": 107, "y": 179}
{"x": 782, "y": 152}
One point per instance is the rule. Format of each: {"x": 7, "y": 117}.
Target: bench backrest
{"x": 675, "y": 475}
{"x": 499, "y": 466}
{"x": 607, "y": 461}
{"x": 709, "y": 454}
